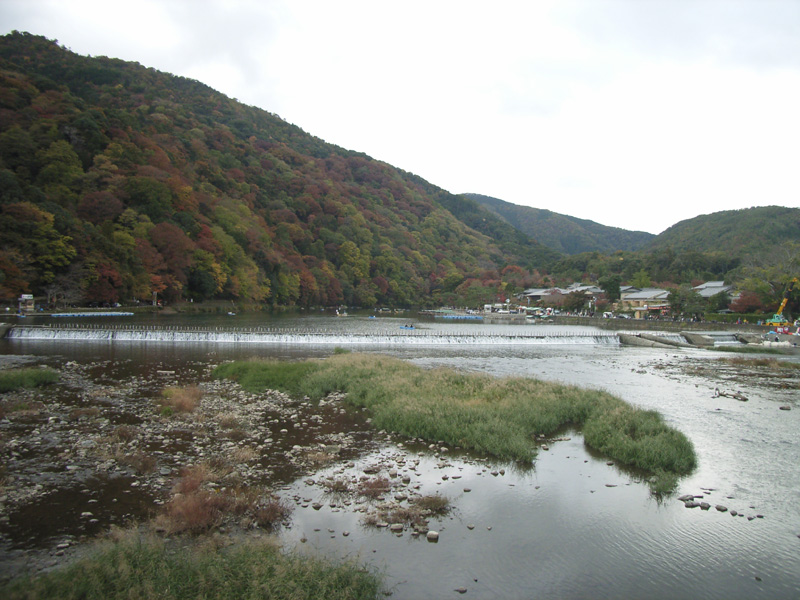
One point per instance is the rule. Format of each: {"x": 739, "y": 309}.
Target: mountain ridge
{"x": 563, "y": 233}
{"x": 119, "y": 181}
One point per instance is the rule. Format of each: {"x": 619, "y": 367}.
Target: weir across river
{"x": 101, "y": 332}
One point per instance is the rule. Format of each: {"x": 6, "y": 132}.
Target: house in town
{"x": 645, "y": 301}
{"x": 712, "y": 288}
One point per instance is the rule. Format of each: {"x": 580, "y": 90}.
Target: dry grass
{"x": 374, "y": 487}
{"x": 21, "y": 409}
{"x": 433, "y": 503}
{"x": 244, "y": 454}
{"x": 76, "y": 414}
{"x": 196, "y": 512}
{"x": 237, "y": 435}
{"x": 180, "y": 399}
{"x": 272, "y": 511}
{"x": 193, "y": 477}
{"x": 139, "y": 461}
{"x": 125, "y": 433}
{"x": 773, "y": 364}
{"x": 228, "y": 421}
{"x": 336, "y": 486}
{"x": 407, "y": 515}
{"x": 319, "y": 457}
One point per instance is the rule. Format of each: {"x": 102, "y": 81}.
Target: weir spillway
{"x": 258, "y": 335}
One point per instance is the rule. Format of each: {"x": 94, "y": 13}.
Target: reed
{"x": 496, "y": 416}
{"x": 136, "y": 567}
{"x": 15, "y": 379}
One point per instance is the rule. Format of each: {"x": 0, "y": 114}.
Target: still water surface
{"x": 572, "y": 526}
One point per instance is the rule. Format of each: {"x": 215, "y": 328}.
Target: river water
{"x": 571, "y": 525}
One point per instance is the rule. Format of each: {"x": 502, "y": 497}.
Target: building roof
{"x": 710, "y": 288}
{"x": 539, "y": 291}
{"x": 647, "y": 294}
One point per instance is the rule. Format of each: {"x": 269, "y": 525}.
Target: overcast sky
{"x": 631, "y": 113}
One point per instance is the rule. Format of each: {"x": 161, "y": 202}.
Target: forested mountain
{"x": 119, "y": 182}
{"x": 736, "y": 232}
{"x": 563, "y": 233}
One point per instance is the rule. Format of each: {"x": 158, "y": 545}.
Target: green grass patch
{"x": 261, "y": 375}
{"x": 494, "y": 416}
{"x": 14, "y": 379}
{"x": 133, "y": 567}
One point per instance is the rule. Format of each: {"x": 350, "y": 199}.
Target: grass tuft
{"x": 180, "y": 399}
{"x": 30, "y": 377}
{"x": 374, "y": 487}
{"x": 434, "y": 503}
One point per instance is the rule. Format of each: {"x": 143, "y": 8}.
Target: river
{"x": 571, "y": 525}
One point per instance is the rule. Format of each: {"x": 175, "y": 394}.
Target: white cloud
{"x": 630, "y": 113}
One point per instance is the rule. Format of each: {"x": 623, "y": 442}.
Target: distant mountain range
{"x": 735, "y": 232}
{"x": 738, "y": 232}
{"x": 565, "y": 234}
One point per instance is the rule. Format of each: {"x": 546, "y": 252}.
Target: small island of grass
{"x": 499, "y": 417}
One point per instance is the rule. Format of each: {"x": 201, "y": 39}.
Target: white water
{"x": 257, "y": 336}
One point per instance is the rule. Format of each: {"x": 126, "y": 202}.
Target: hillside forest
{"x": 122, "y": 184}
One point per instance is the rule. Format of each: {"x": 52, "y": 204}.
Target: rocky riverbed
{"x": 103, "y": 448}
{"x": 88, "y": 453}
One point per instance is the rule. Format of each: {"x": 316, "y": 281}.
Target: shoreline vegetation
{"x": 132, "y": 565}
{"x": 499, "y": 417}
